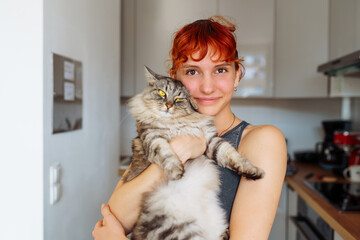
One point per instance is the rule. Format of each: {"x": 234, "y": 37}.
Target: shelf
{"x": 60, "y": 99}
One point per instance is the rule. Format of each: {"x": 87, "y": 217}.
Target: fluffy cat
{"x": 187, "y": 206}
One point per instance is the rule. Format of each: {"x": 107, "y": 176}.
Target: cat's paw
{"x": 254, "y": 173}
{"x": 175, "y": 172}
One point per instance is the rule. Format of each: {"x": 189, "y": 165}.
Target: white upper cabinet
{"x": 127, "y": 70}
{"x": 344, "y": 39}
{"x": 282, "y": 41}
{"x": 344, "y": 27}
{"x": 151, "y": 31}
{"x": 302, "y": 43}
{"x": 254, "y": 20}
{"x": 357, "y": 25}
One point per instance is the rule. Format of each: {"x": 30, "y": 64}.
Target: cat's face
{"x": 166, "y": 96}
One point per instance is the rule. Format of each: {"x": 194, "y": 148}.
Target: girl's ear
{"x": 237, "y": 77}
{"x": 173, "y": 75}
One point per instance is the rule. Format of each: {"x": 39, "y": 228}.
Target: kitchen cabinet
{"x": 282, "y": 42}
{"x": 344, "y": 39}
{"x": 279, "y": 227}
{"x": 148, "y": 28}
{"x": 255, "y": 22}
{"x": 302, "y": 42}
{"x": 148, "y": 32}
{"x": 127, "y": 73}
{"x": 344, "y": 27}
{"x": 357, "y": 24}
{"x": 344, "y": 225}
{"x": 292, "y": 204}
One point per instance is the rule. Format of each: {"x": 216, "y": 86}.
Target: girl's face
{"x": 210, "y": 83}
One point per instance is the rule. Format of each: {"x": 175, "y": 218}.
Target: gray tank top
{"x": 229, "y": 179}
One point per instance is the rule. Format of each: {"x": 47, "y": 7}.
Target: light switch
{"x": 55, "y": 183}
{"x": 55, "y": 193}
{"x": 55, "y": 172}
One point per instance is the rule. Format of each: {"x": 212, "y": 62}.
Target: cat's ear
{"x": 150, "y": 76}
{"x": 193, "y": 104}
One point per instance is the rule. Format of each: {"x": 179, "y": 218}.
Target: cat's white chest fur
{"x": 193, "y": 198}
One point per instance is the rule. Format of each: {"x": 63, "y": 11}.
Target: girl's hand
{"x": 188, "y": 147}
{"x": 108, "y": 228}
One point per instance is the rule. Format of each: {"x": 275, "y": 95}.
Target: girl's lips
{"x": 207, "y": 100}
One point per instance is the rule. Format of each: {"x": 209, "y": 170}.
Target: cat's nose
{"x": 168, "y": 105}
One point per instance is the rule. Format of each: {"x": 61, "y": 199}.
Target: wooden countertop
{"x": 347, "y": 225}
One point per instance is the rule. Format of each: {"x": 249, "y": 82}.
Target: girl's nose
{"x": 207, "y": 84}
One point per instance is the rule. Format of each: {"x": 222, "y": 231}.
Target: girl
{"x": 204, "y": 59}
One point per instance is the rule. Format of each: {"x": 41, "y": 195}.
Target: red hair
{"x": 215, "y": 33}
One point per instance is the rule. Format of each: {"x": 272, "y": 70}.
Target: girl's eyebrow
{"x": 225, "y": 64}
{"x": 189, "y": 66}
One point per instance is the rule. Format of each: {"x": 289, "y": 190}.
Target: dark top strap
{"x": 229, "y": 179}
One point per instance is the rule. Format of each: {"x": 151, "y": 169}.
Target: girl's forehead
{"x": 205, "y": 62}
{"x": 211, "y": 54}
{"x": 212, "y": 58}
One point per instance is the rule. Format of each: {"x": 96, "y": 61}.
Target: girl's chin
{"x": 207, "y": 111}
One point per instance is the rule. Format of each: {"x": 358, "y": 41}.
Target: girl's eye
{"x": 178, "y": 99}
{"x": 221, "y": 70}
{"x": 191, "y": 72}
{"x": 162, "y": 93}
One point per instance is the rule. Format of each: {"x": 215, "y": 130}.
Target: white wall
{"x": 21, "y": 121}
{"x": 299, "y": 119}
{"x": 87, "y": 31}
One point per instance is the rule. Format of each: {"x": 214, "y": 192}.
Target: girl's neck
{"x": 225, "y": 121}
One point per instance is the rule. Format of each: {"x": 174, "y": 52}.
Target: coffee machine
{"x": 333, "y": 156}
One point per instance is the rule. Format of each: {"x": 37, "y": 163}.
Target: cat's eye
{"x": 178, "y": 99}
{"x": 162, "y": 93}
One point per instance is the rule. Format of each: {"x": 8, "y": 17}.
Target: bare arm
{"x": 256, "y": 202}
{"x": 126, "y": 199}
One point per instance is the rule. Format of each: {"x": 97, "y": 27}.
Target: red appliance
{"x": 354, "y": 158}
{"x": 349, "y": 142}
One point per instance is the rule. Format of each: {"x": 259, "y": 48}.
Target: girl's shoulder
{"x": 258, "y": 137}
{"x": 257, "y": 131}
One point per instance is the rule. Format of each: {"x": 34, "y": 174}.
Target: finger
{"x": 105, "y": 210}
{"x": 94, "y": 233}
{"x": 98, "y": 224}
{"x": 107, "y": 214}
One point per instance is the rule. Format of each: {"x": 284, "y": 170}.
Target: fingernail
{"x": 102, "y": 205}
